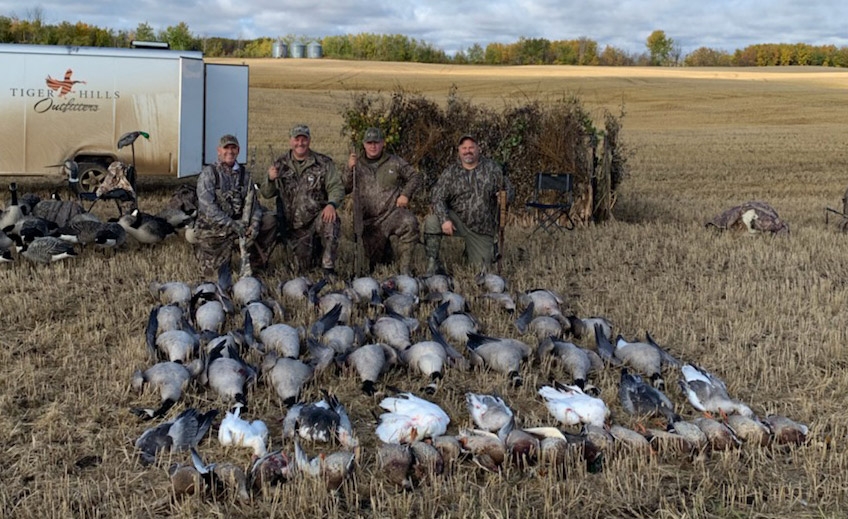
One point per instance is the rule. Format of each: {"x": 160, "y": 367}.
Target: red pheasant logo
{"x": 62, "y": 86}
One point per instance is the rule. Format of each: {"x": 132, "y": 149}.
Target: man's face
{"x": 299, "y": 146}
{"x": 228, "y": 154}
{"x": 469, "y": 153}
{"x": 374, "y": 149}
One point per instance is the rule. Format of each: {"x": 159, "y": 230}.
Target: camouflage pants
{"x": 399, "y": 222}
{"x": 216, "y": 245}
{"x": 479, "y": 248}
{"x": 316, "y": 240}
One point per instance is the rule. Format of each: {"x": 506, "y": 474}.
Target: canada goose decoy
{"x": 639, "y": 399}
{"x": 45, "y": 249}
{"x": 238, "y": 432}
{"x": 146, "y": 228}
{"x": 491, "y": 283}
{"x": 286, "y": 375}
{"x": 708, "y": 393}
{"x": 370, "y": 361}
{"x": 170, "y": 379}
{"x": 5, "y": 255}
{"x": 170, "y": 293}
{"x": 60, "y": 211}
{"x": 181, "y": 433}
{"x": 176, "y": 217}
{"x": 503, "y": 355}
{"x": 111, "y": 235}
{"x": 578, "y": 361}
{"x": 13, "y": 212}
{"x": 333, "y": 468}
{"x": 82, "y": 232}
{"x": 222, "y": 478}
{"x": 409, "y": 418}
{"x": 504, "y": 300}
{"x": 787, "y": 431}
{"x": 321, "y": 422}
{"x": 570, "y": 406}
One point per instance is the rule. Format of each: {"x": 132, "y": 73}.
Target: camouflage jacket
{"x": 380, "y": 182}
{"x": 220, "y": 195}
{"x": 471, "y": 194}
{"x": 305, "y": 188}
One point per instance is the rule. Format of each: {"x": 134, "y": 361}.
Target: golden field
{"x": 766, "y": 314}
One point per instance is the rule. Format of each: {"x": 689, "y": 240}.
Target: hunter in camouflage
{"x": 385, "y": 183}
{"x": 221, "y": 191}
{"x": 465, "y": 203}
{"x": 311, "y": 190}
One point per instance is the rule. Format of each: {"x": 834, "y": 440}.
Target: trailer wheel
{"x": 90, "y": 175}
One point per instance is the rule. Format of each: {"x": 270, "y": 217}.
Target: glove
{"x": 238, "y": 228}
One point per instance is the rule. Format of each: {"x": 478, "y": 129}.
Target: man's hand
{"x": 238, "y": 228}
{"x": 328, "y": 215}
{"x": 448, "y": 228}
{"x": 273, "y": 172}
{"x": 402, "y": 201}
{"x": 351, "y": 160}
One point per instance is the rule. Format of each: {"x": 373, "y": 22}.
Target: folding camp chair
{"x": 118, "y": 185}
{"x": 553, "y": 196}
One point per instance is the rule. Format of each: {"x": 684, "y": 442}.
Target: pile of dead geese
{"x": 52, "y": 229}
{"x": 234, "y": 340}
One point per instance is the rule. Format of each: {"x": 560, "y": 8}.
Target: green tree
{"x": 660, "y": 47}
{"x": 179, "y": 37}
{"x": 475, "y": 54}
{"x": 144, "y": 32}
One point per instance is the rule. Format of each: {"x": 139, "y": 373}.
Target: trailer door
{"x": 226, "y": 108}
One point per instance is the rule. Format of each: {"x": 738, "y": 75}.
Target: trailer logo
{"x": 65, "y": 86}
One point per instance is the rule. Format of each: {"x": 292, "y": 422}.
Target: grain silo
{"x": 314, "y": 50}
{"x": 279, "y": 49}
{"x": 297, "y": 50}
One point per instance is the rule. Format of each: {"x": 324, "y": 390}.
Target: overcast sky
{"x": 457, "y": 24}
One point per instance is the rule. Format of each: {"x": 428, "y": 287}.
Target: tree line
{"x": 660, "y": 49}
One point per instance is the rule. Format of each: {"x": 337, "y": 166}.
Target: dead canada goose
{"x": 365, "y": 289}
{"x": 370, "y": 361}
{"x": 456, "y": 302}
{"x": 181, "y": 433}
{"x": 176, "y": 345}
{"x": 329, "y": 301}
{"x": 503, "y": 355}
{"x": 545, "y": 302}
{"x": 282, "y": 339}
{"x": 401, "y": 304}
{"x": 577, "y": 361}
{"x": 170, "y": 379}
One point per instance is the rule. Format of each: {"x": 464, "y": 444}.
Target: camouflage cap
{"x": 373, "y": 135}
{"x": 466, "y": 136}
{"x": 300, "y": 130}
{"x": 228, "y": 140}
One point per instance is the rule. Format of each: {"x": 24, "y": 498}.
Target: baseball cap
{"x": 300, "y": 130}
{"x": 373, "y": 135}
{"x": 467, "y": 136}
{"x": 228, "y": 140}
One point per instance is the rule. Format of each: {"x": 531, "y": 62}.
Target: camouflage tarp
{"x": 753, "y": 217}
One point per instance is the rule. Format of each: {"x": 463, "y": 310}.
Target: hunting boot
{"x": 432, "y": 243}
{"x": 405, "y": 251}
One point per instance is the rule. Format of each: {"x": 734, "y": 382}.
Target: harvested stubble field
{"x": 768, "y": 315}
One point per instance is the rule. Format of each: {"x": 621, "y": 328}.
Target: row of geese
{"x": 49, "y": 230}
{"x": 190, "y": 336}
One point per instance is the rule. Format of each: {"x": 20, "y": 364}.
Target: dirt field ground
{"x": 765, "y": 314}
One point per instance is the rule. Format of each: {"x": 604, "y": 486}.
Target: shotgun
{"x": 358, "y": 227}
{"x": 502, "y": 214}
{"x": 246, "y": 213}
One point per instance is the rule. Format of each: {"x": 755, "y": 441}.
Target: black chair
{"x": 553, "y": 197}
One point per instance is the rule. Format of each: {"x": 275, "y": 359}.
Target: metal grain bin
{"x": 279, "y": 49}
{"x": 297, "y": 50}
{"x": 314, "y": 50}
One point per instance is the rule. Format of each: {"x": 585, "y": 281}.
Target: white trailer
{"x": 63, "y": 103}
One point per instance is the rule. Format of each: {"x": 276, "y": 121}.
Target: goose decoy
{"x": 146, "y": 228}
{"x": 80, "y": 231}
{"x": 13, "y": 212}
{"x": 170, "y": 379}
{"x": 708, "y": 393}
{"x": 60, "y": 211}
{"x": 222, "y": 478}
{"x": 236, "y": 431}
{"x": 410, "y": 418}
{"x": 503, "y": 355}
{"x": 333, "y": 468}
{"x": 578, "y": 361}
{"x": 5, "y": 255}
{"x": 570, "y": 406}
{"x": 321, "y": 422}
{"x": 111, "y": 235}
{"x": 370, "y": 361}
{"x": 176, "y": 217}
{"x": 181, "y": 433}
{"x": 639, "y": 399}
{"x": 170, "y": 293}
{"x": 45, "y": 249}
{"x": 490, "y": 283}
{"x": 286, "y": 375}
